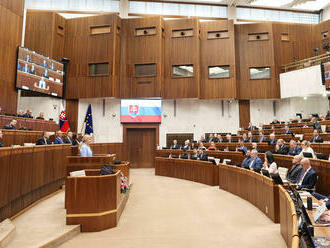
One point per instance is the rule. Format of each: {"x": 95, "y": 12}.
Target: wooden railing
{"x": 300, "y": 64}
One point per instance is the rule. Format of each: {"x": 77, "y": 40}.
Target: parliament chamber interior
{"x": 164, "y": 123}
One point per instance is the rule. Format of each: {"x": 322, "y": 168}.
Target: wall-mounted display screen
{"x": 39, "y": 73}
{"x": 183, "y": 70}
{"x": 259, "y": 72}
{"x": 325, "y": 68}
{"x": 219, "y": 71}
{"x": 140, "y": 111}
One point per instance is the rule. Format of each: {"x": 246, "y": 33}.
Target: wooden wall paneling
{"x": 321, "y": 35}
{"x": 244, "y": 113}
{"x": 58, "y": 37}
{"x": 72, "y": 112}
{"x": 218, "y": 49}
{"x": 5, "y": 156}
{"x": 143, "y": 44}
{"x": 11, "y": 19}
{"x": 255, "y": 53}
{"x": 302, "y": 40}
{"x": 182, "y": 51}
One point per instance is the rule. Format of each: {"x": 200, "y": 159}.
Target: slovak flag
{"x": 64, "y": 124}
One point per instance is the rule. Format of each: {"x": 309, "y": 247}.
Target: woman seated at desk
{"x": 270, "y": 164}
{"x": 84, "y": 148}
{"x": 306, "y": 148}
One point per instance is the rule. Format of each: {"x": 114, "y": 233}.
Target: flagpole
{"x": 82, "y": 127}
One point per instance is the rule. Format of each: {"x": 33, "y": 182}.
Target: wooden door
{"x": 141, "y": 147}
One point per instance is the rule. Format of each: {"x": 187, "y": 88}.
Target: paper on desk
{"x": 319, "y": 211}
{"x": 304, "y": 193}
{"x": 315, "y": 205}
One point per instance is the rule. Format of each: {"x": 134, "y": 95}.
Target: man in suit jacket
{"x": 272, "y": 139}
{"x": 316, "y": 124}
{"x": 287, "y": 130}
{"x": 246, "y": 161}
{"x": 281, "y": 148}
{"x": 255, "y": 162}
{"x": 1, "y": 136}
{"x": 186, "y": 146}
{"x": 175, "y": 145}
{"x": 316, "y": 137}
{"x": 58, "y": 139}
{"x": 262, "y": 138}
{"x": 68, "y": 138}
{"x": 228, "y": 138}
{"x": 294, "y": 148}
{"x": 295, "y": 170}
{"x": 241, "y": 147}
{"x": 44, "y": 140}
{"x": 275, "y": 121}
{"x": 250, "y": 138}
{"x": 202, "y": 155}
{"x": 11, "y": 125}
{"x": 308, "y": 178}
{"x": 251, "y": 127}
{"x": 28, "y": 114}
{"x": 41, "y": 116}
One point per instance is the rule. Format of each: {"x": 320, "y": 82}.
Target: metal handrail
{"x": 306, "y": 62}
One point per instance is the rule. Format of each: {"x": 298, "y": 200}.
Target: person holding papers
{"x": 84, "y": 148}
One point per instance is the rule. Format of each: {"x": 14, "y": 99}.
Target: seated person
{"x": 45, "y": 74}
{"x": 323, "y": 199}
{"x": 262, "y": 138}
{"x": 44, "y": 140}
{"x": 261, "y": 126}
{"x": 308, "y": 178}
{"x": 241, "y": 147}
{"x": 228, "y": 138}
{"x": 270, "y": 164}
{"x": 244, "y": 137}
{"x": 219, "y": 139}
{"x": 316, "y": 124}
{"x": 281, "y": 148}
{"x": 251, "y": 127}
{"x": 246, "y": 161}
{"x": 26, "y": 68}
{"x": 1, "y": 137}
{"x": 194, "y": 156}
{"x": 59, "y": 138}
{"x": 186, "y": 145}
{"x": 316, "y": 137}
{"x": 294, "y": 148}
{"x": 201, "y": 146}
{"x": 287, "y": 130}
{"x": 272, "y": 139}
{"x": 11, "y": 125}
{"x": 211, "y": 138}
{"x": 298, "y": 119}
{"x": 28, "y": 114}
{"x": 41, "y": 116}
{"x": 27, "y": 58}
{"x": 68, "y": 138}
{"x": 44, "y": 64}
{"x": 306, "y": 147}
{"x": 254, "y": 145}
{"x": 295, "y": 170}
{"x": 212, "y": 147}
{"x": 327, "y": 117}
{"x": 33, "y": 71}
{"x": 84, "y": 148}
{"x": 20, "y": 113}
{"x": 275, "y": 121}
{"x": 75, "y": 141}
{"x": 202, "y": 139}
{"x": 175, "y": 145}
{"x": 202, "y": 155}
{"x": 255, "y": 162}
{"x": 250, "y": 138}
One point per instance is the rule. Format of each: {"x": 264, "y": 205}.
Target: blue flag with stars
{"x": 89, "y": 120}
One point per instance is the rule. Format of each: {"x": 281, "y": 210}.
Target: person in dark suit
{"x": 250, "y": 138}
{"x": 44, "y": 64}
{"x": 272, "y": 139}
{"x": 186, "y": 145}
{"x": 202, "y": 139}
{"x": 228, "y": 138}
{"x": 295, "y": 170}
{"x": 41, "y": 116}
{"x": 175, "y": 145}
{"x": 11, "y": 125}
{"x": 255, "y": 162}
{"x": 262, "y": 138}
{"x": 45, "y": 74}
{"x": 241, "y": 147}
{"x": 44, "y": 140}
{"x": 75, "y": 141}
{"x": 251, "y": 127}
{"x": 194, "y": 156}
{"x": 316, "y": 124}
{"x": 308, "y": 178}
{"x": 287, "y": 130}
{"x": 68, "y": 138}
{"x": 327, "y": 117}
{"x": 316, "y": 137}
{"x": 202, "y": 155}
{"x": 211, "y": 138}
{"x": 58, "y": 139}
{"x": 219, "y": 139}
{"x": 281, "y": 148}
{"x": 1, "y": 137}
{"x": 246, "y": 161}
{"x": 275, "y": 121}
{"x": 294, "y": 148}
{"x": 28, "y": 114}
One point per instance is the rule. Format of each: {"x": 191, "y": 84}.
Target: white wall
{"x": 192, "y": 116}
{"x": 49, "y": 105}
{"x": 326, "y": 14}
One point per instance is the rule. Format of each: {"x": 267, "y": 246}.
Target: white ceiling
{"x": 287, "y": 4}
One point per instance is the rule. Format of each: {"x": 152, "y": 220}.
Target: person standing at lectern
{"x": 84, "y": 148}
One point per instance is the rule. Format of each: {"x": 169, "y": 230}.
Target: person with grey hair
{"x": 44, "y": 140}
{"x": 294, "y": 148}
{"x": 272, "y": 139}
{"x": 281, "y": 148}
{"x": 295, "y": 170}
{"x": 255, "y": 161}
{"x": 308, "y": 178}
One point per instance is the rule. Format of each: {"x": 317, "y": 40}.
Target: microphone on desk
{"x": 309, "y": 203}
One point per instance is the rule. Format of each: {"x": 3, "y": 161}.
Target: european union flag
{"x": 89, "y": 120}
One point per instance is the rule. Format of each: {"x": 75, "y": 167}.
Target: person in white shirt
{"x": 270, "y": 164}
{"x": 306, "y": 147}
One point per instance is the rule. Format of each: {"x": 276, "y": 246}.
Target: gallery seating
{"x": 33, "y": 124}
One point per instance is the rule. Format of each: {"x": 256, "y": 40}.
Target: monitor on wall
{"x": 325, "y": 69}
{"x": 140, "y": 111}
{"x": 38, "y": 73}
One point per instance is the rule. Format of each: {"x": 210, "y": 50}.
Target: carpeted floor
{"x": 167, "y": 213}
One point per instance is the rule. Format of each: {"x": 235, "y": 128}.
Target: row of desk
{"x": 29, "y": 123}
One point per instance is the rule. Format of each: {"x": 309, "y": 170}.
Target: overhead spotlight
{"x": 305, "y": 97}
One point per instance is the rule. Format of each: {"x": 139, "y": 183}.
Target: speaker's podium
{"x": 93, "y": 201}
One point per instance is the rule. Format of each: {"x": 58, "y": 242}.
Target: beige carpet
{"x": 167, "y": 212}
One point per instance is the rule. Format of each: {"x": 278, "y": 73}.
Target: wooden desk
{"x": 253, "y": 187}
{"x": 193, "y": 170}
{"x": 94, "y": 202}
{"x": 29, "y": 173}
{"x": 74, "y": 163}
